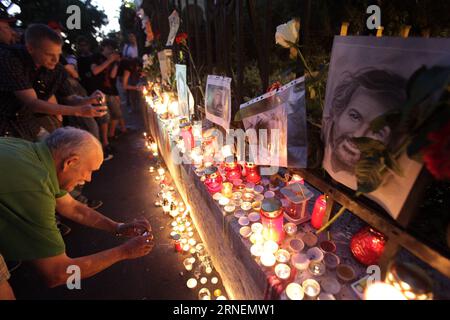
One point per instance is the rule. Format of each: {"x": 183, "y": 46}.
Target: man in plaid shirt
{"x": 33, "y": 81}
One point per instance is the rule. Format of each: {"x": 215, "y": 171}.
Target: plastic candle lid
{"x": 210, "y": 170}
{"x": 271, "y": 205}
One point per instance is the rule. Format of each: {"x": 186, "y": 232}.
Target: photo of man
{"x": 216, "y": 103}
{"x": 297, "y": 139}
{"x": 358, "y": 100}
{"x": 367, "y": 79}
{"x": 218, "y": 100}
{"x": 283, "y": 114}
{"x": 182, "y": 89}
{"x": 273, "y": 125}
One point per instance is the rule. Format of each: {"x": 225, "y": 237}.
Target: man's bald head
{"x": 76, "y": 153}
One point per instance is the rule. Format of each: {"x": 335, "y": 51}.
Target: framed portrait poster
{"x": 368, "y": 77}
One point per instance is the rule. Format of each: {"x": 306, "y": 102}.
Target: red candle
{"x": 213, "y": 180}
{"x": 232, "y": 170}
{"x": 252, "y": 173}
{"x": 272, "y": 220}
{"x": 177, "y": 243}
{"x": 367, "y": 246}
{"x": 319, "y": 212}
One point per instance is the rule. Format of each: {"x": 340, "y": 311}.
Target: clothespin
{"x": 344, "y": 28}
{"x": 380, "y": 31}
{"x": 404, "y": 32}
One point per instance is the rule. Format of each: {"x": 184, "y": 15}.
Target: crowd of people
{"x": 61, "y": 108}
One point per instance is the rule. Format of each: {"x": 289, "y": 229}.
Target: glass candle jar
{"x": 252, "y": 173}
{"x": 311, "y": 289}
{"x": 232, "y": 170}
{"x": 319, "y": 212}
{"x": 297, "y": 196}
{"x": 213, "y": 180}
{"x": 410, "y": 280}
{"x": 272, "y": 220}
{"x": 367, "y": 246}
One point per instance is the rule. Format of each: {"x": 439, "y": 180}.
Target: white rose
{"x": 287, "y": 32}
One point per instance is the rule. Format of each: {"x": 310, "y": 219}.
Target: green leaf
{"x": 369, "y": 174}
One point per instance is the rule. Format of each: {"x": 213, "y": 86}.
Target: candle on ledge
{"x": 232, "y": 170}
{"x": 252, "y": 174}
{"x": 290, "y": 228}
{"x": 188, "y": 263}
{"x": 227, "y": 189}
{"x": 311, "y": 289}
{"x": 383, "y": 291}
{"x": 256, "y": 238}
{"x": 319, "y": 212}
{"x": 282, "y": 256}
{"x": 317, "y": 269}
{"x": 270, "y": 246}
{"x": 177, "y": 243}
{"x": 272, "y": 220}
{"x": 248, "y": 196}
{"x": 294, "y": 291}
{"x": 213, "y": 180}
{"x": 300, "y": 261}
{"x": 283, "y": 271}
{"x": 191, "y": 283}
{"x": 412, "y": 281}
{"x": 268, "y": 259}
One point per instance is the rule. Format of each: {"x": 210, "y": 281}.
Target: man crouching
{"x": 35, "y": 179}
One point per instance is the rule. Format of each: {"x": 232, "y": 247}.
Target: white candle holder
{"x": 311, "y": 289}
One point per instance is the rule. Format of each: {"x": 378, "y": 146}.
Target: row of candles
{"x": 267, "y": 236}
{"x": 226, "y": 180}
{"x": 183, "y": 234}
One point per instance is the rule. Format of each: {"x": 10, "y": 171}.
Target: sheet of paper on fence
{"x": 355, "y": 58}
{"x": 283, "y": 114}
{"x": 218, "y": 100}
{"x": 165, "y": 64}
{"x": 174, "y": 23}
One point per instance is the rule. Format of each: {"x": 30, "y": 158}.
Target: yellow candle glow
{"x": 270, "y": 246}
{"x": 268, "y": 259}
{"x": 383, "y": 291}
{"x": 227, "y": 189}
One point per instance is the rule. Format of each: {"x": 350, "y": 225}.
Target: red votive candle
{"x": 319, "y": 212}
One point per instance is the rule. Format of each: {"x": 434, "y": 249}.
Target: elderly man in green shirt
{"x": 35, "y": 179}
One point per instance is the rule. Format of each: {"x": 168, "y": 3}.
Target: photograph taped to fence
{"x": 283, "y": 113}
{"x": 165, "y": 64}
{"x": 218, "y": 100}
{"x": 185, "y": 98}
